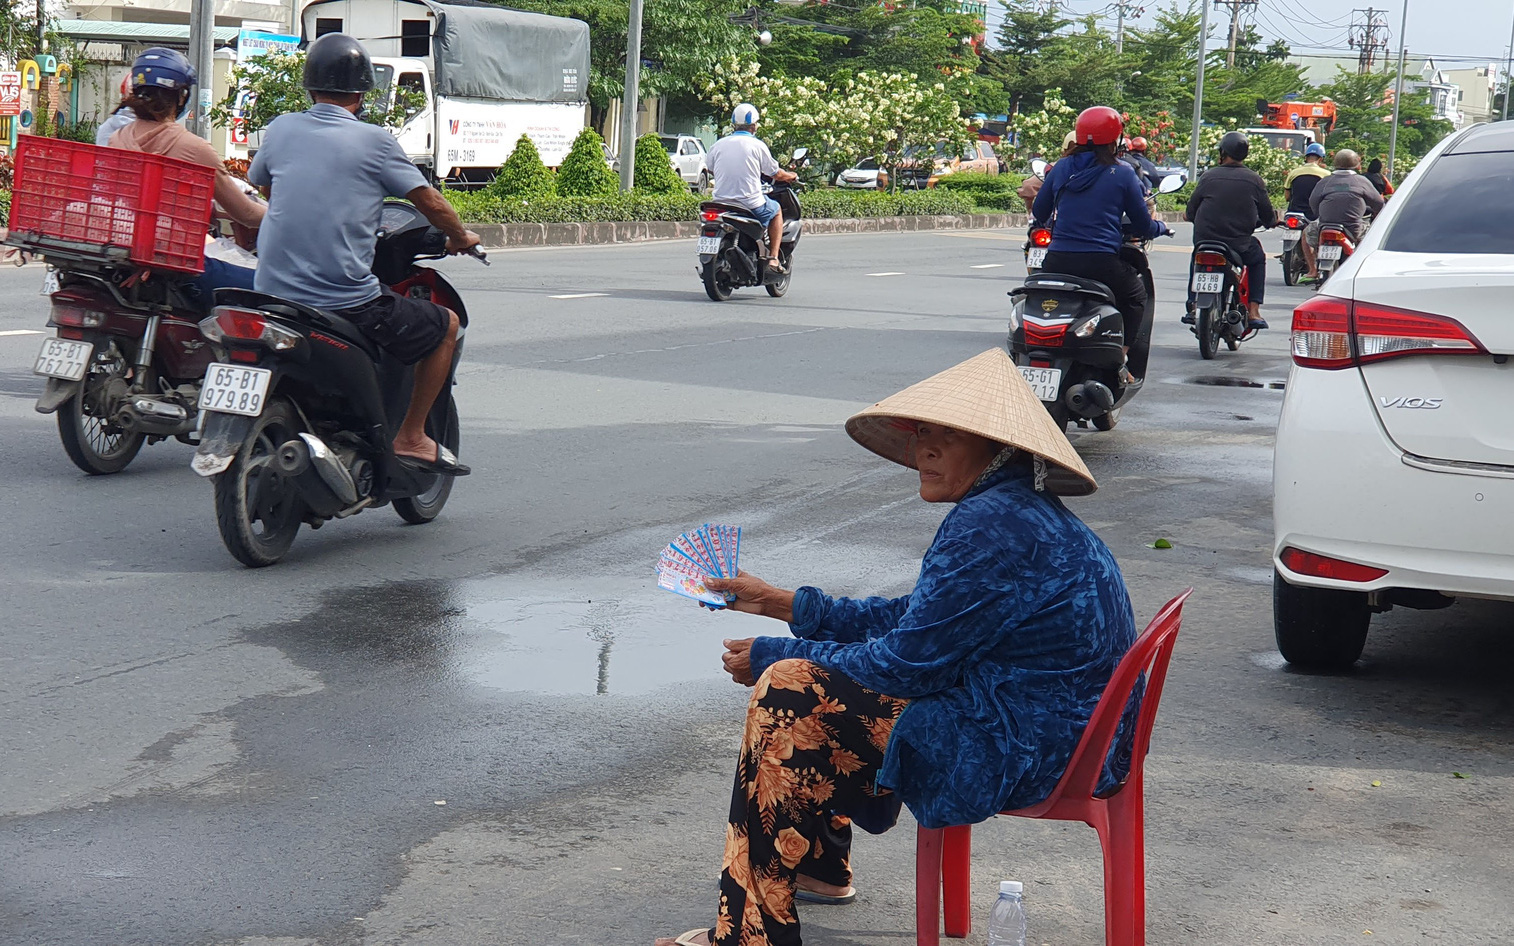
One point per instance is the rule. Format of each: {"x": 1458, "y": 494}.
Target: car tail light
{"x": 1321, "y": 566}
{"x": 1210, "y": 259}
{"x": 709, "y": 216}
{"x": 1337, "y": 333}
{"x": 229, "y": 323}
{"x": 1382, "y": 332}
{"x": 1322, "y": 333}
{"x": 1040, "y": 236}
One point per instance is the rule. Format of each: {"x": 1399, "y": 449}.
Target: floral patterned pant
{"x": 814, "y": 742}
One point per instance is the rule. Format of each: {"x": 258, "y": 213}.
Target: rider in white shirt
{"x": 738, "y": 162}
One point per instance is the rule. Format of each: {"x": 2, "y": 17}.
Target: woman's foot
{"x": 691, "y": 938}
{"x": 810, "y": 890}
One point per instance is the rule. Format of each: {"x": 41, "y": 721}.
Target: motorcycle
{"x": 1221, "y": 294}
{"x": 1335, "y": 246}
{"x": 1036, "y": 243}
{"x": 1068, "y": 339}
{"x": 733, "y": 245}
{"x": 301, "y": 408}
{"x": 1292, "y": 257}
{"x": 125, "y": 364}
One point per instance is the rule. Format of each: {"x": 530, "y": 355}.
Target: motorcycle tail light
{"x": 1040, "y": 237}
{"x": 1210, "y": 259}
{"x": 1321, "y": 566}
{"x": 1334, "y": 236}
{"x": 709, "y": 216}
{"x": 74, "y": 316}
{"x": 1048, "y": 336}
{"x": 1296, "y": 223}
{"x": 229, "y": 323}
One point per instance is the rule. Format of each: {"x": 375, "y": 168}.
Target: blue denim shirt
{"x": 1004, "y": 647}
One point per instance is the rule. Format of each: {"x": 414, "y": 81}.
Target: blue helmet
{"x": 1315, "y": 150}
{"x": 159, "y": 68}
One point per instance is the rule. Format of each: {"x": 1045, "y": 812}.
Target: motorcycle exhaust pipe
{"x": 153, "y": 417}
{"x": 294, "y": 462}
{"x": 1089, "y": 399}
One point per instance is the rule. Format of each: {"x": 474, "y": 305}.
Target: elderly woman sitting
{"x": 965, "y": 697}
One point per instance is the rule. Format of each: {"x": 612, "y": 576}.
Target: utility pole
{"x": 1235, "y": 25}
{"x": 202, "y": 42}
{"x": 41, "y": 25}
{"x": 1370, "y": 38}
{"x": 1508, "y": 74}
{"x": 1198, "y": 95}
{"x": 1122, "y": 9}
{"x": 1398, "y": 90}
{"x": 631, "y": 100}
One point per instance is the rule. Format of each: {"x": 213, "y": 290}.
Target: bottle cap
{"x": 1011, "y": 886}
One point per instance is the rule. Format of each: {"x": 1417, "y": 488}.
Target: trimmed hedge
{"x": 523, "y": 175}
{"x": 654, "y": 172}
{"x": 584, "y": 172}
{"x": 484, "y": 207}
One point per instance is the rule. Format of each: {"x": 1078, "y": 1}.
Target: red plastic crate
{"x": 81, "y": 197}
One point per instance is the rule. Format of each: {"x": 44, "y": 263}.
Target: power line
{"x": 1371, "y": 37}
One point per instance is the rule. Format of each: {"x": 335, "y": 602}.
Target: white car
{"x": 1393, "y": 482}
{"x": 689, "y": 160}
{"x": 866, "y": 175}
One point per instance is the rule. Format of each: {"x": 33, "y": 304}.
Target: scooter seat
{"x": 727, "y": 209}
{"x": 299, "y": 312}
{"x": 1061, "y": 282}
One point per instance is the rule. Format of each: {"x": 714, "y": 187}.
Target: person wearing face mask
{"x": 961, "y": 699}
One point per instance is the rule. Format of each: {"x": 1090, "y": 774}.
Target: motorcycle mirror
{"x": 1038, "y": 168}
{"x": 1172, "y": 182}
{"x": 801, "y": 154}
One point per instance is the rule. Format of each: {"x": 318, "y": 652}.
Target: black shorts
{"x": 409, "y": 329}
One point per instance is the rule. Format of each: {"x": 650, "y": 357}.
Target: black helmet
{"x": 1235, "y": 145}
{"x": 337, "y": 63}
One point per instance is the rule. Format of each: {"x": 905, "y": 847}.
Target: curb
{"x": 509, "y": 235}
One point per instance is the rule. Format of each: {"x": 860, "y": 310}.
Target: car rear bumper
{"x": 1342, "y": 489}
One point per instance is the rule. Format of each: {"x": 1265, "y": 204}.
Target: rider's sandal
{"x": 445, "y": 463}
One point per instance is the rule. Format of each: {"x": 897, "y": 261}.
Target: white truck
{"x": 486, "y": 75}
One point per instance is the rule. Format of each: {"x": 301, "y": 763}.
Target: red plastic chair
{"x": 943, "y": 867}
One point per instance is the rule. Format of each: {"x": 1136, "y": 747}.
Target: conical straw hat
{"x": 984, "y": 395}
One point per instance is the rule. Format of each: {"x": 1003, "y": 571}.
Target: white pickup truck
{"x": 485, "y": 75}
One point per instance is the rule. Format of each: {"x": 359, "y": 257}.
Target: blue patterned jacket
{"x": 1003, "y": 647}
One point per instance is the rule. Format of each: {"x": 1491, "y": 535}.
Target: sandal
{"x": 811, "y": 896}
{"x": 445, "y": 463}
{"x": 691, "y": 937}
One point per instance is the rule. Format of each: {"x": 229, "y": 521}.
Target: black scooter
{"x": 302, "y": 408}
{"x": 1068, "y": 339}
{"x": 733, "y": 245}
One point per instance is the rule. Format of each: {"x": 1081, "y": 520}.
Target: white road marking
{"x": 580, "y": 295}
{"x": 987, "y": 266}
{"x": 885, "y": 274}
{"x": 21, "y": 331}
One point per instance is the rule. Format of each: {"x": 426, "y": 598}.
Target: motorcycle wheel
{"x": 717, "y": 283}
{"x": 1290, "y": 271}
{"x": 93, "y": 443}
{"x": 424, "y": 507}
{"x": 1107, "y": 421}
{"x": 777, "y": 289}
{"x": 257, "y": 514}
{"x": 1209, "y": 331}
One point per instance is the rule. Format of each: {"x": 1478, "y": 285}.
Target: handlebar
{"x": 478, "y": 254}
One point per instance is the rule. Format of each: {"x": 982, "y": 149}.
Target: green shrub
{"x": 523, "y": 175}
{"x": 5, "y": 207}
{"x": 479, "y": 207}
{"x": 976, "y": 183}
{"x": 654, "y": 172}
{"x": 584, "y": 172}
{"x": 838, "y": 203}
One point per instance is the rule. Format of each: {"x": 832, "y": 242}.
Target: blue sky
{"x": 1458, "y": 33}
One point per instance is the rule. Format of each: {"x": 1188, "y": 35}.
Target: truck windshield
{"x": 383, "y": 79}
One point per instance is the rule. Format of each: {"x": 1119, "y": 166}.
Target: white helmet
{"x": 744, "y": 114}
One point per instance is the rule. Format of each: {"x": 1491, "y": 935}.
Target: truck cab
{"x": 417, "y": 134}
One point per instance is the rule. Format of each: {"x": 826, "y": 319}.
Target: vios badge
{"x": 1412, "y": 403}
{"x": 1049, "y": 305}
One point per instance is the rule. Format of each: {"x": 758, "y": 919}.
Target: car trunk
{"x": 1443, "y": 406}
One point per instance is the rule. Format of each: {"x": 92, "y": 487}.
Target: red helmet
{"x": 1100, "y": 125}
{"x": 1138, "y": 144}
{"x": 125, "y": 85}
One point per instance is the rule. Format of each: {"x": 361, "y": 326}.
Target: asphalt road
{"x": 195, "y": 753}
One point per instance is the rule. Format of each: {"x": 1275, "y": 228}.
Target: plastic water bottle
{"x": 1006, "y": 925}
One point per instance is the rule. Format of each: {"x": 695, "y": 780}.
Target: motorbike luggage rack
{"x": 54, "y": 249}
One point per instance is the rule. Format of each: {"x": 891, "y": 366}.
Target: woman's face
{"x": 950, "y": 461}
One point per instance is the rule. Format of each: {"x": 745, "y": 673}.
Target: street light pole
{"x": 202, "y": 32}
{"x": 1398, "y": 90}
{"x": 631, "y": 100}
{"x": 1198, "y": 95}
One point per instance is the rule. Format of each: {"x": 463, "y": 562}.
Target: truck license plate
{"x": 1043, "y": 381}
{"x": 1330, "y": 251}
{"x": 232, "y": 389}
{"x": 61, "y": 358}
{"x": 1208, "y": 282}
{"x": 1035, "y": 257}
{"x": 709, "y": 246}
